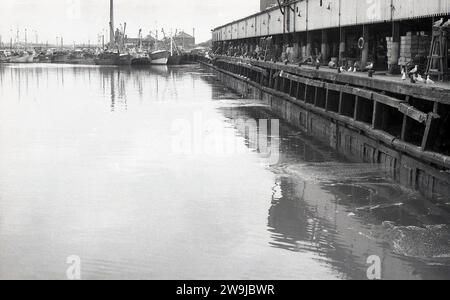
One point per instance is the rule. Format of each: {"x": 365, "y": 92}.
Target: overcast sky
{"x": 83, "y": 20}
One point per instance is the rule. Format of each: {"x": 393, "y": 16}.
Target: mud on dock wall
{"x": 336, "y": 130}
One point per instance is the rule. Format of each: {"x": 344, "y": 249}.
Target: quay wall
{"x": 409, "y": 165}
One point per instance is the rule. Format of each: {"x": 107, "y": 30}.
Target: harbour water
{"x": 91, "y": 166}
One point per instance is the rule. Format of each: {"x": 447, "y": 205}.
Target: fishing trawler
{"x": 78, "y": 57}
{"x": 23, "y": 57}
{"x": 140, "y": 57}
{"x": 176, "y": 55}
{"x": 106, "y": 59}
{"x": 115, "y": 55}
{"x": 60, "y": 57}
{"x": 4, "y": 57}
{"x": 43, "y": 58}
{"x": 124, "y": 59}
{"x": 160, "y": 57}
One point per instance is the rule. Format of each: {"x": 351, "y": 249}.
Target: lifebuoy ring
{"x": 361, "y": 43}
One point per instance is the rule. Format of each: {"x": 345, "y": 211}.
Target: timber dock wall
{"x": 353, "y": 115}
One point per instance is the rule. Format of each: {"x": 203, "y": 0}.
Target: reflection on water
{"x": 86, "y": 169}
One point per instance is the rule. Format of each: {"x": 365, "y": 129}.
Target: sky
{"x": 84, "y": 20}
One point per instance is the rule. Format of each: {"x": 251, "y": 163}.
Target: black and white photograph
{"x": 225, "y": 147}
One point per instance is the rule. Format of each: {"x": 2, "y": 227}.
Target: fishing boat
{"x": 43, "y": 58}
{"x": 60, "y": 57}
{"x": 160, "y": 57}
{"x": 113, "y": 59}
{"x": 106, "y": 59}
{"x": 176, "y": 56}
{"x": 176, "y": 59}
{"x": 78, "y": 57}
{"x": 141, "y": 59}
{"x": 117, "y": 54}
{"x": 22, "y": 58}
{"x": 4, "y": 58}
{"x": 124, "y": 60}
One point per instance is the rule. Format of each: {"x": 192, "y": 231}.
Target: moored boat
{"x": 113, "y": 59}
{"x": 60, "y": 57}
{"x": 22, "y": 58}
{"x": 160, "y": 57}
{"x": 176, "y": 59}
{"x": 43, "y": 58}
{"x": 106, "y": 59}
{"x": 124, "y": 60}
{"x": 141, "y": 59}
{"x": 81, "y": 58}
{"x": 4, "y": 57}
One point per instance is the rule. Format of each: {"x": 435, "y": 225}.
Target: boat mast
{"x": 171, "y": 43}
{"x": 140, "y": 40}
{"x": 123, "y": 37}
{"x": 111, "y": 23}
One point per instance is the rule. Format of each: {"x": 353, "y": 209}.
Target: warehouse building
{"x": 390, "y": 33}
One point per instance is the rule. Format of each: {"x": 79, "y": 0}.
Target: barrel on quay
{"x": 368, "y": 85}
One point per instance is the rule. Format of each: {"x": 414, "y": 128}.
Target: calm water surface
{"x": 89, "y": 166}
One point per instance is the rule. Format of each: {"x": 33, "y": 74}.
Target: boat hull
{"x": 113, "y": 60}
{"x": 60, "y": 59}
{"x": 141, "y": 61}
{"x": 160, "y": 57}
{"x": 104, "y": 62}
{"x": 124, "y": 60}
{"x": 81, "y": 61}
{"x": 27, "y": 59}
{"x": 175, "y": 60}
{"x": 160, "y": 61}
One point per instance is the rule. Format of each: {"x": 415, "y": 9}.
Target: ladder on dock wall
{"x": 438, "y": 55}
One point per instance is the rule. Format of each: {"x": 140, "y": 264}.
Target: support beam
{"x": 296, "y": 47}
{"x": 375, "y": 115}
{"x": 405, "y": 128}
{"x": 365, "y": 50}
{"x": 341, "y": 102}
{"x": 308, "y": 45}
{"x": 393, "y": 66}
{"x": 356, "y": 113}
{"x": 325, "y": 49}
{"x": 342, "y": 45}
{"x": 431, "y": 131}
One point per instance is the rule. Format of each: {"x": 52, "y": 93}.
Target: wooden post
{"x": 306, "y": 93}
{"x": 395, "y": 50}
{"x": 365, "y": 50}
{"x": 404, "y": 135}
{"x": 355, "y": 117}
{"x": 308, "y": 45}
{"x": 315, "y": 95}
{"x": 270, "y": 78}
{"x": 431, "y": 131}
{"x": 375, "y": 115}
{"x": 342, "y": 45}
{"x": 325, "y": 46}
{"x": 341, "y": 96}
